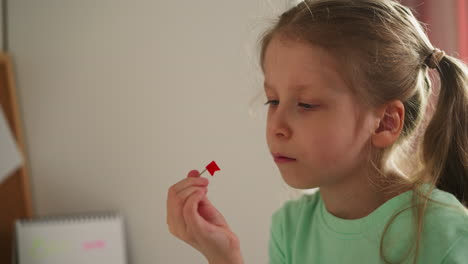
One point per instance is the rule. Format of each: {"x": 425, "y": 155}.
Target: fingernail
{"x": 193, "y": 173}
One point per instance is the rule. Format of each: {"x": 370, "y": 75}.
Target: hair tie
{"x": 432, "y": 61}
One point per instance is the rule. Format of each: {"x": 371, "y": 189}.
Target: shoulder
{"x": 297, "y": 206}
{"x": 447, "y": 214}
{"x": 458, "y": 252}
{"x": 446, "y": 227}
{"x": 292, "y": 211}
{"x": 284, "y": 223}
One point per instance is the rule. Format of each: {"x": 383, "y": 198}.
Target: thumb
{"x": 193, "y": 173}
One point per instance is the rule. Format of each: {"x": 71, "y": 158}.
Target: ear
{"x": 389, "y": 124}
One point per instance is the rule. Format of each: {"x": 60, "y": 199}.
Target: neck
{"x": 355, "y": 197}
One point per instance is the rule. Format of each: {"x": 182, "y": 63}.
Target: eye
{"x": 308, "y": 106}
{"x": 271, "y": 101}
{"x": 305, "y": 106}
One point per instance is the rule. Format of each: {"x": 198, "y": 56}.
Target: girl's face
{"x": 312, "y": 116}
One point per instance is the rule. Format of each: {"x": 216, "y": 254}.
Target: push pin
{"x": 212, "y": 167}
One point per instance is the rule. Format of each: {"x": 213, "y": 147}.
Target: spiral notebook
{"x": 71, "y": 239}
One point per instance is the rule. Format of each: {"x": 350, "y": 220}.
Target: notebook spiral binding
{"x": 71, "y": 218}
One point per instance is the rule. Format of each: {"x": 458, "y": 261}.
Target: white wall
{"x": 120, "y": 99}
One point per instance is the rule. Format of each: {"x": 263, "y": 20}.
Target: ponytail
{"x": 445, "y": 142}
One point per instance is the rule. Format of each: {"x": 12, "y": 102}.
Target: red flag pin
{"x": 212, "y": 167}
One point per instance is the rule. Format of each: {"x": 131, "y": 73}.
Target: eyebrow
{"x": 330, "y": 80}
{"x": 299, "y": 87}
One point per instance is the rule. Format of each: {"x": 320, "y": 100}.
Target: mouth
{"x": 278, "y": 157}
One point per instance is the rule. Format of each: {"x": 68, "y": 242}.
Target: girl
{"x": 347, "y": 87}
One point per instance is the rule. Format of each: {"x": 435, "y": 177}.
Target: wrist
{"x": 227, "y": 262}
{"x": 237, "y": 259}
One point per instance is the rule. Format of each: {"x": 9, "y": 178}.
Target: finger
{"x": 184, "y": 194}
{"x": 195, "y": 223}
{"x": 189, "y": 181}
{"x": 173, "y": 221}
{"x": 174, "y": 213}
{"x": 175, "y": 204}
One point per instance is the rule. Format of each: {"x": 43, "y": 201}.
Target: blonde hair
{"x": 384, "y": 54}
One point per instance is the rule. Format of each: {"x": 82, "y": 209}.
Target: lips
{"x": 281, "y": 156}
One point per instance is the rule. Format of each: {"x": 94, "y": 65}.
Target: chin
{"x": 300, "y": 183}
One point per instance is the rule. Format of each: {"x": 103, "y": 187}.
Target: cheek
{"x": 268, "y": 134}
{"x": 331, "y": 143}
{"x": 327, "y": 147}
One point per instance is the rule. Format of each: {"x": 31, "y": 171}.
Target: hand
{"x": 192, "y": 218}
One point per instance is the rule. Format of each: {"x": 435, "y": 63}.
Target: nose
{"x": 282, "y": 133}
{"x": 278, "y": 124}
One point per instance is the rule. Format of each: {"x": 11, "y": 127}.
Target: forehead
{"x": 300, "y": 66}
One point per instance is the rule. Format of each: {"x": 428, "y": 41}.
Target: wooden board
{"x": 15, "y": 197}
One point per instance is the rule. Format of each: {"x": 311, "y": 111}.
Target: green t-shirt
{"x": 302, "y": 231}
